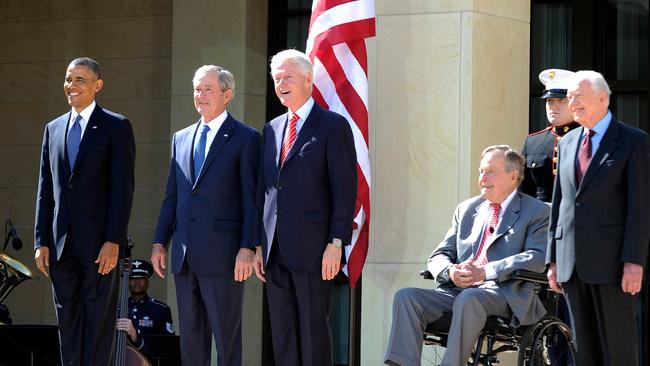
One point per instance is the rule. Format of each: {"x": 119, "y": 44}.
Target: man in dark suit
{"x": 83, "y": 204}
{"x": 491, "y": 236}
{"x": 599, "y": 228}
{"x": 209, "y": 210}
{"x": 306, "y": 198}
{"x": 540, "y": 148}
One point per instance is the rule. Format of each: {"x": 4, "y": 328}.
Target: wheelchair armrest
{"x": 536, "y": 277}
{"x": 520, "y": 274}
{"x": 425, "y": 274}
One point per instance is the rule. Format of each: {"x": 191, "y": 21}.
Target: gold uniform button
{"x": 554, "y": 171}
{"x": 555, "y": 159}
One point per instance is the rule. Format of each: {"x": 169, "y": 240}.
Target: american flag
{"x": 337, "y": 47}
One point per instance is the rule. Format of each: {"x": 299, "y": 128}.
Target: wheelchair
{"x": 545, "y": 343}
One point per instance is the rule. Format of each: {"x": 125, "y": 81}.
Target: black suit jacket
{"x": 604, "y": 222}
{"x": 212, "y": 218}
{"x": 310, "y": 200}
{"x": 91, "y": 202}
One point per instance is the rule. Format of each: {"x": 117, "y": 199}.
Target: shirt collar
{"x": 507, "y": 201}
{"x": 303, "y": 112}
{"x": 504, "y": 204}
{"x": 601, "y": 127}
{"x": 145, "y": 298}
{"x": 216, "y": 123}
{"x": 85, "y": 115}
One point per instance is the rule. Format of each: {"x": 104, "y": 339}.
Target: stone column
{"x": 231, "y": 34}
{"x": 447, "y": 78}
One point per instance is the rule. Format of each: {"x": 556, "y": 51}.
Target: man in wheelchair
{"x": 491, "y": 236}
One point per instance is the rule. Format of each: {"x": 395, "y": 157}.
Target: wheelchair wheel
{"x": 433, "y": 354}
{"x": 546, "y": 343}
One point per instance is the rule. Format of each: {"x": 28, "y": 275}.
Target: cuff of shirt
{"x": 490, "y": 272}
{"x": 431, "y": 269}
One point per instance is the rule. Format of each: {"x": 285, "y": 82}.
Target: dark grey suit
{"x": 595, "y": 227}
{"x": 518, "y": 243}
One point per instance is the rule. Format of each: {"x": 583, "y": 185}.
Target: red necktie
{"x": 289, "y": 139}
{"x": 584, "y": 156}
{"x": 480, "y": 259}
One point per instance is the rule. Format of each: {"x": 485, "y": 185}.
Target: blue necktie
{"x": 74, "y": 138}
{"x": 199, "y": 151}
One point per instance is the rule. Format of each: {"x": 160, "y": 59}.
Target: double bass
{"x": 125, "y": 353}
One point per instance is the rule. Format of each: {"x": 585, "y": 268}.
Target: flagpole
{"x": 354, "y": 353}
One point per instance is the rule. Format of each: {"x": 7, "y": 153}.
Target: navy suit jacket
{"x": 602, "y": 223}
{"x": 93, "y": 201}
{"x": 212, "y": 218}
{"x": 311, "y": 199}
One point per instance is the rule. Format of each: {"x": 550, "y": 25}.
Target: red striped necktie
{"x": 289, "y": 138}
{"x": 480, "y": 259}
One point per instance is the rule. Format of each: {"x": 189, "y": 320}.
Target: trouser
{"x": 414, "y": 308}
{"x": 209, "y": 305}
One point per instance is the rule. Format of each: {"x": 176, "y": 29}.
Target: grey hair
{"x": 299, "y": 58}
{"x": 89, "y": 63}
{"x": 226, "y": 79}
{"x": 514, "y": 160}
{"x": 596, "y": 79}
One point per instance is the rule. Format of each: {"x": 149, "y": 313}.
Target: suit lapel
{"x": 279, "y": 126}
{"x": 569, "y": 162}
{"x": 92, "y": 128}
{"x": 223, "y": 134}
{"x": 59, "y": 135}
{"x": 477, "y": 227}
{"x": 608, "y": 145}
{"x": 306, "y": 132}
{"x": 185, "y": 152}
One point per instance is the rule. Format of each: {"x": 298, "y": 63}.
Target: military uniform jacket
{"x": 150, "y": 317}
{"x": 540, "y": 151}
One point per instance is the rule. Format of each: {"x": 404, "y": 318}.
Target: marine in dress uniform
{"x": 540, "y": 148}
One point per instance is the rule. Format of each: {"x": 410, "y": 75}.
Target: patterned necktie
{"x": 480, "y": 259}
{"x": 74, "y": 139}
{"x": 584, "y": 156}
{"x": 289, "y": 139}
{"x": 199, "y": 151}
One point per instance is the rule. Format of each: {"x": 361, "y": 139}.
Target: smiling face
{"x": 494, "y": 181}
{"x": 292, "y": 84}
{"x": 80, "y": 86}
{"x": 558, "y": 111}
{"x": 209, "y": 100}
{"x": 588, "y": 104}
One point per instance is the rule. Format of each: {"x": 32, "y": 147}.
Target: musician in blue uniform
{"x": 146, "y": 315}
{"x": 540, "y": 148}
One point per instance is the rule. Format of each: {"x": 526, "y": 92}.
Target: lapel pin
{"x": 225, "y": 135}
{"x": 94, "y": 127}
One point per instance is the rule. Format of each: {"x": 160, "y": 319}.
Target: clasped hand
{"x": 466, "y": 274}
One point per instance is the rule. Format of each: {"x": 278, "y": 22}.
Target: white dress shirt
{"x": 214, "y": 125}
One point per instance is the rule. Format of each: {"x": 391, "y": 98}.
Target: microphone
{"x": 10, "y": 233}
